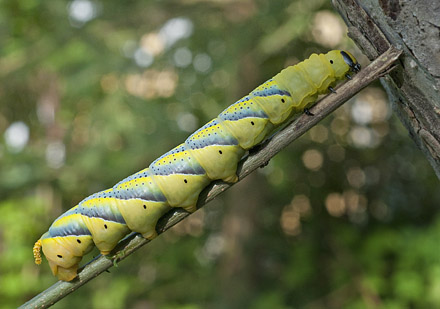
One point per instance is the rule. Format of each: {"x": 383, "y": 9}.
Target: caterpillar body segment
{"x": 104, "y": 221}
{"x": 141, "y": 203}
{"x": 142, "y": 216}
{"x": 216, "y": 149}
{"x": 176, "y": 178}
{"x": 64, "y": 254}
{"x": 246, "y": 121}
{"x": 180, "y": 177}
{"x": 275, "y": 101}
{"x": 64, "y": 245}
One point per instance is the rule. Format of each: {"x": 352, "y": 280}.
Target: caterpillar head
{"x": 342, "y": 63}
{"x": 351, "y": 61}
{"x": 64, "y": 253}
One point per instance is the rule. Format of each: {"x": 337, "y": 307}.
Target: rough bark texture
{"x": 413, "y": 27}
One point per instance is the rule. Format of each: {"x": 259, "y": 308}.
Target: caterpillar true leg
{"x": 331, "y": 89}
{"x": 308, "y": 112}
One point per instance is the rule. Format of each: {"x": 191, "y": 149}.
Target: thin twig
{"x": 253, "y": 161}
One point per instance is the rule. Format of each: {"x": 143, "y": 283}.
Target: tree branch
{"x": 253, "y": 161}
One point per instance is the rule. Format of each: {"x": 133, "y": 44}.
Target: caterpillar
{"x": 176, "y": 179}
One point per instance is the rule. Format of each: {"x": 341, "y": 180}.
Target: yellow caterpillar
{"x": 177, "y": 177}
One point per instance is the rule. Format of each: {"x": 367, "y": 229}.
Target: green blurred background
{"x": 93, "y": 91}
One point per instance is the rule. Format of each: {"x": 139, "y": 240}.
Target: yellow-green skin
{"x": 177, "y": 178}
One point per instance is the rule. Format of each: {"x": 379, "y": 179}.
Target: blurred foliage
{"x": 93, "y": 91}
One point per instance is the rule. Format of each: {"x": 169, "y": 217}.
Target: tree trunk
{"x": 413, "y": 88}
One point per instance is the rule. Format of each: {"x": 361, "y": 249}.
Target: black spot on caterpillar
{"x": 177, "y": 177}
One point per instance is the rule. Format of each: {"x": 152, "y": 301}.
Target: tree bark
{"x": 413, "y": 88}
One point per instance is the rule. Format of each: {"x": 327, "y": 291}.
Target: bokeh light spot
{"x": 55, "y": 154}
{"x": 143, "y": 58}
{"x": 313, "y": 159}
{"x": 328, "y": 30}
{"x": 187, "y": 122}
{"x": 292, "y": 213}
{"x": 319, "y": 133}
{"x": 339, "y": 126}
{"x": 362, "y": 112}
{"x": 356, "y": 177}
{"x": 16, "y": 136}
{"x": 152, "y": 43}
{"x": 81, "y": 11}
{"x": 202, "y": 63}
{"x": 363, "y": 137}
{"x": 182, "y": 57}
{"x": 175, "y": 29}
{"x": 152, "y": 83}
{"x": 335, "y": 204}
